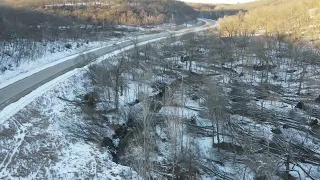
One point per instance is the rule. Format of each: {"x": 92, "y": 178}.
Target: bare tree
{"x": 111, "y": 74}
{"x": 216, "y": 103}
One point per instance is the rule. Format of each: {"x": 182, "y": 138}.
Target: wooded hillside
{"x": 295, "y": 20}
{"x": 215, "y": 12}
{"x": 24, "y": 23}
{"x": 138, "y": 12}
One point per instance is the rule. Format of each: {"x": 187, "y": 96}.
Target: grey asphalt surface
{"x": 15, "y": 91}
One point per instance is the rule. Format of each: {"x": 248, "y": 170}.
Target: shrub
{"x": 68, "y": 46}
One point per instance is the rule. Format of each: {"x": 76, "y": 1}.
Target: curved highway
{"x": 15, "y": 91}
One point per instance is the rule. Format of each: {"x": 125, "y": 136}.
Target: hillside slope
{"x": 140, "y": 12}
{"x": 297, "y": 20}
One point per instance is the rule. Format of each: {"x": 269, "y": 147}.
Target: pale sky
{"x": 219, "y": 1}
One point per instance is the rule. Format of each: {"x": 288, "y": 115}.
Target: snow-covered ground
{"x": 35, "y": 143}
{"x": 39, "y": 132}
{"x": 40, "y": 115}
{"x": 35, "y": 136}
{"x": 52, "y": 53}
{"x": 13, "y": 108}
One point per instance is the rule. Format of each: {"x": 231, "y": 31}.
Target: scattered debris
{"x": 300, "y": 105}
{"x": 285, "y": 126}
{"x": 276, "y": 131}
{"x": 318, "y": 99}
{"x": 314, "y": 122}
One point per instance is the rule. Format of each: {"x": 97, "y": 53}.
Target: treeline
{"x": 134, "y": 12}
{"x": 28, "y": 24}
{"x": 284, "y": 19}
{"x": 215, "y": 12}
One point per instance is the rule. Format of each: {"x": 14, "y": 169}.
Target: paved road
{"x": 15, "y": 91}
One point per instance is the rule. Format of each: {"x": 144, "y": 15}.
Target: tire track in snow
{"x": 19, "y": 138}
